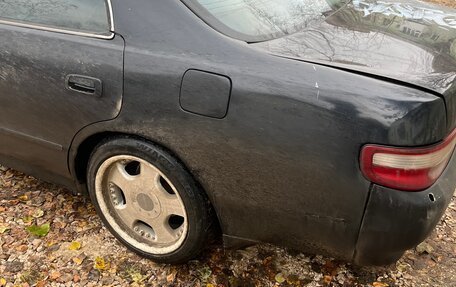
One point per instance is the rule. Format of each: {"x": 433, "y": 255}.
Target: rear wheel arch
{"x": 81, "y": 155}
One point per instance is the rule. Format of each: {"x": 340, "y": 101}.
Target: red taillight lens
{"x": 409, "y": 169}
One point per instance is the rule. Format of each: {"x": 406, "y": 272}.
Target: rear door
{"x": 61, "y": 69}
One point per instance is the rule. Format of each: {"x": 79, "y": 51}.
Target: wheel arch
{"x": 80, "y": 153}
{"x": 79, "y": 157}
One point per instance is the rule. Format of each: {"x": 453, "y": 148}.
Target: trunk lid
{"x": 403, "y": 40}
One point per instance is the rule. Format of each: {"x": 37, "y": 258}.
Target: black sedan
{"x": 326, "y": 126}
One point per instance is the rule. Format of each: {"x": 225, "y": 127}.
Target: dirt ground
{"x": 48, "y": 237}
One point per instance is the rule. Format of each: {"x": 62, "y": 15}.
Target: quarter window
{"x": 90, "y": 16}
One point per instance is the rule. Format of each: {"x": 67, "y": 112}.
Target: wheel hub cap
{"x": 145, "y": 202}
{"x": 141, "y": 204}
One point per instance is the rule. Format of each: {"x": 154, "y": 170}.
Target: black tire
{"x": 195, "y": 201}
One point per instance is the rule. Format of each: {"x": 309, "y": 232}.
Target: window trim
{"x": 106, "y": 36}
{"x": 201, "y": 12}
{"x": 217, "y": 25}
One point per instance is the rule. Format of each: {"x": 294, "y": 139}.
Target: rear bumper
{"x": 395, "y": 221}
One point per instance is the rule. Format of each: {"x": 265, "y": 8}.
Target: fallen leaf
{"x": 100, "y": 263}
{"x": 402, "y": 267}
{"x": 21, "y": 248}
{"x": 39, "y": 230}
{"x": 171, "y": 277}
{"x": 77, "y": 260}
{"x": 23, "y": 197}
{"x": 2, "y": 282}
{"x": 27, "y": 219}
{"x": 76, "y": 278}
{"x": 38, "y": 213}
{"x": 205, "y": 273}
{"x": 379, "y": 284}
{"x": 327, "y": 279}
{"x": 293, "y": 279}
{"x": 279, "y": 278}
{"x": 75, "y": 246}
{"x": 136, "y": 277}
{"x": 424, "y": 248}
{"x": 54, "y": 275}
{"x": 51, "y": 243}
{"x": 3, "y": 229}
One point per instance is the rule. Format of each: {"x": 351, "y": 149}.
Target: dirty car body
{"x": 272, "y": 126}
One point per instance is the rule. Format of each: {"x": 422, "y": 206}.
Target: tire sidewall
{"x": 194, "y": 202}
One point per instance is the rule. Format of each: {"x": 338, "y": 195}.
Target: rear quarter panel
{"x": 282, "y": 166}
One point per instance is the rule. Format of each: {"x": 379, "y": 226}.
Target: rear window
{"x": 260, "y": 20}
{"x": 90, "y": 16}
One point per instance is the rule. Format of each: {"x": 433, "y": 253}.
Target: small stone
{"x": 14, "y": 267}
{"x": 107, "y": 280}
{"x": 94, "y": 275}
{"x": 54, "y": 247}
{"x": 65, "y": 278}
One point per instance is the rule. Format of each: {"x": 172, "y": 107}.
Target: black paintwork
{"x": 205, "y": 94}
{"x": 396, "y": 221}
{"x": 407, "y": 40}
{"x": 39, "y": 115}
{"x": 281, "y": 165}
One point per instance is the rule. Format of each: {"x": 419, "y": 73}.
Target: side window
{"x": 89, "y": 16}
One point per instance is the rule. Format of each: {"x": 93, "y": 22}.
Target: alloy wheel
{"x": 141, "y": 204}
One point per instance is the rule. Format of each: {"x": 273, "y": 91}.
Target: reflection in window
{"x": 266, "y": 17}
{"x": 78, "y": 15}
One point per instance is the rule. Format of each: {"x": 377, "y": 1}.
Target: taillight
{"x": 408, "y": 169}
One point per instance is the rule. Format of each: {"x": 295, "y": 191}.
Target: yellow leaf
{"x": 23, "y": 197}
{"x": 100, "y": 264}
{"x": 75, "y": 246}
{"x": 136, "y": 277}
{"x": 3, "y": 229}
{"x": 380, "y": 284}
{"x": 279, "y": 278}
{"x": 77, "y": 260}
{"x": 2, "y": 282}
{"x": 210, "y": 285}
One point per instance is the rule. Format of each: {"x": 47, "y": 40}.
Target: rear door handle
{"x": 84, "y": 85}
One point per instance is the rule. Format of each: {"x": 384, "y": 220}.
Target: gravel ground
{"x": 77, "y": 251}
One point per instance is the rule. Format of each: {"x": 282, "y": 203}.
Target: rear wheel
{"x": 148, "y": 200}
